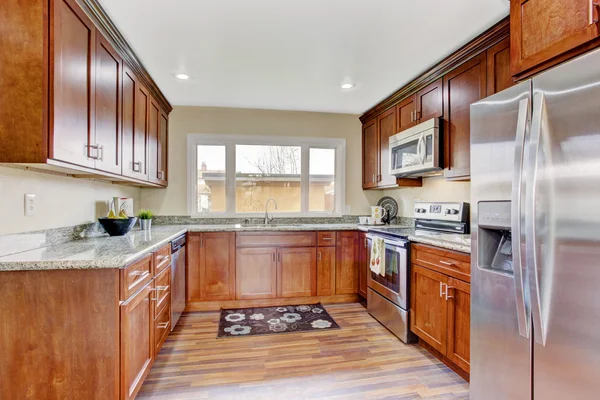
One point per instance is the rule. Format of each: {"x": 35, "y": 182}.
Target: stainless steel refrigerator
{"x": 535, "y": 223}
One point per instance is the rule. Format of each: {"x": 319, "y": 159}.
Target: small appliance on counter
{"x": 388, "y": 293}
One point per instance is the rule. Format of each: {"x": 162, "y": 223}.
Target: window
{"x": 231, "y": 175}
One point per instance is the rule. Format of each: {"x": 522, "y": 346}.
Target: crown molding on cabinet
{"x": 101, "y": 19}
{"x": 496, "y": 33}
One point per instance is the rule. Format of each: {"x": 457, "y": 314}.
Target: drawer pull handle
{"x": 447, "y": 263}
{"x": 139, "y": 273}
{"x": 326, "y": 238}
{"x": 154, "y": 298}
{"x": 163, "y": 325}
{"x": 162, "y": 288}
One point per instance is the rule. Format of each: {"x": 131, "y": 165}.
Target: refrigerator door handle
{"x": 539, "y": 326}
{"x": 518, "y": 235}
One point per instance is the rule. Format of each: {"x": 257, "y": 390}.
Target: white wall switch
{"x": 29, "y": 205}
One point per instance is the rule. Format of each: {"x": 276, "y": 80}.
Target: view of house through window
{"x": 237, "y": 176}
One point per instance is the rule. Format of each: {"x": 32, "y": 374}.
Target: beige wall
{"x": 434, "y": 189}
{"x": 185, "y": 120}
{"x": 60, "y": 201}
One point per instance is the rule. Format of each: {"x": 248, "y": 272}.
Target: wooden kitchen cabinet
{"x": 429, "y": 102}
{"x": 499, "y": 76}
{"x": 256, "y": 273}
{"x": 107, "y": 104}
{"x": 363, "y": 263}
{"x": 346, "y": 263}
{"x": 463, "y": 86}
{"x": 137, "y": 341}
{"x": 429, "y": 315}
{"x": 211, "y": 266}
{"x": 370, "y": 147}
{"x": 386, "y": 126}
{"x": 76, "y": 108}
{"x": 546, "y": 32}
{"x": 296, "y": 272}
{"x": 405, "y": 113}
{"x": 326, "y": 271}
{"x": 73, "y": 80}
{"x": 459, "y": 323}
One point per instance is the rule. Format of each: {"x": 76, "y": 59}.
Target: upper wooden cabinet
{"x": 370, "y": 161}
{"x": 72, "y": 76}
{"x": 499, "y": 76}
{"x": 211, "y": 270}
{"x": 462, "y": 87}
{"x": 546, "y": 32}
{"x": 71, "y": 104}
{"x": 386, "y": 126}
{"x": 405, "y": 113}
{"x": 429, "y": 102}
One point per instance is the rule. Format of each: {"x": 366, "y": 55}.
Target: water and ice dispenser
{"x": 495, "y": 240}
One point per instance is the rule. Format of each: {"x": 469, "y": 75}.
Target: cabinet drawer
{"x": 135, "y": 276}
{"x": 325, "y": 238}
{"x": 162, "y": 289}
{"x": 162, "y": 327}
{"x": 452, "y": 263}
{"x": 281, "y": 239}
{"x": 162, "y": 258}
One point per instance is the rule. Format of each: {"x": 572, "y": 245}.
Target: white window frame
{"x": 230, "y": 141}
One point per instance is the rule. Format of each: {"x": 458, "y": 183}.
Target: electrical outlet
{"x": 29, "y": 205}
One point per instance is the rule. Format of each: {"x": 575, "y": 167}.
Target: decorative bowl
{"x": 117, "y": 227}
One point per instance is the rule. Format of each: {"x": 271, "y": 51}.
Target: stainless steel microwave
{"x": 416, "y": 151}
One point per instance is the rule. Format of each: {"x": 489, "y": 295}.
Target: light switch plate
{"x": 29, "y": 205}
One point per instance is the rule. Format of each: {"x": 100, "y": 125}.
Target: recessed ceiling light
{"x": 347, "y": 85}
{"x": 183, "y": 77}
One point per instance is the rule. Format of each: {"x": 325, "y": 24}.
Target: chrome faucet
{"x": 267, "y": 217}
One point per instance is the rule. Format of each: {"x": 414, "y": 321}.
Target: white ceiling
{"x": 294, "y": 54}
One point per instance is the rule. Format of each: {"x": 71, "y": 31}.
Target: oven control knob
{"x": 420, "y": 210}
{"x": 451, "y": 211}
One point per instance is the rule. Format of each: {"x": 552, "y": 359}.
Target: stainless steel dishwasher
{"x": 177, "y": 279}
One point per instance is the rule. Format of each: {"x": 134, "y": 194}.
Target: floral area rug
{"x": 267, "y": 320}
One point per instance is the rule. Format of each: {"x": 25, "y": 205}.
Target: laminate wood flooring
{"x": 363, "y": 360}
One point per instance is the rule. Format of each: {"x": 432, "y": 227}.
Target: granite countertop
{"x": 118, "y": 252}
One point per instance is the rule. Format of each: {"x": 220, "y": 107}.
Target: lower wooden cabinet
{"x": 325, "y": 271}
{"x": 429, "y": 314}
{"x": 256, "y": 273}
{"x": 137, "y": 341}
{"x": 364, "y": 253}
{"x": 440, "y": 313}
{"x": 211, "y": 266}
{"x": 346, "y": 263}
{"x": 297, "y": 272}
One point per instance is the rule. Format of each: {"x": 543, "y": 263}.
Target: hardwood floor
{"x": 360, "y": 361}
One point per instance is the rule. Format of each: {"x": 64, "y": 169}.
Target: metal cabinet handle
{"x": 138, "y": 273}
{"x": 319, "y": 256}
{"x": 273, "y": 257}
{"x": 447, "y": 290}
{"x": 593, "y": 4}
{"x": 373, "y": 178}
{"x": 88, "y": 155}
{"x": 326, "y": 238}
{"x": 100, "y": 154}
{"x": 201, "y": 242}
{"x": 163, "y": 325}
{"x": 160, "y": 175}
{"x": 447, "y": 263}
{"x": 162, "y": 288}
{"x": 137, "y": 166}
{"x": 441, "y": 289}
{"x": 279, "y": 257}
{"x": 366, "y": 243}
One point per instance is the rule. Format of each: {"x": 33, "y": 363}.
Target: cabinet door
{"x": 363, "y": 263}
{"x": 429, "y": 313}
{"x": 108, "y": 106}
{"x": 128, "y": 123}
{"x": 459, "y": 323}
{"x": 217, "y": 266}
{"x": 141, "y": 128}
{"x": 499, "y": 76}
{"x": 462, "y": 87}
{"x": 163, "y": 146}
{"x": 370, "y": 154}
{"x": 406, "y": 113}
{"x": 346, "y": 263}
{"x": 386, "y": 126}
{"x": 256, "y": 273}
{"x": 429, "y": 101}
{"x": 544, "y": 29}
{"x": 297, "y": 272}
{"x": 325, "y": 271}
{"x": 137, "y": 341}
{"x": 156, "y": 146}
{"x": 72, "y": 73}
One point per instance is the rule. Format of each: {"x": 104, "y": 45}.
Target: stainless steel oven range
{"x": 388, "y": 296}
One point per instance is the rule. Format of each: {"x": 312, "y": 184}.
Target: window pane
{"x": 322, "y": 180}
{"x": 264, "y": 172}
{"x": 211, "y": 179}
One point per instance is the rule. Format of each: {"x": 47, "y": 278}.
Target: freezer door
{"x": 563, "y": 219}
{"x": 500, "y": 347}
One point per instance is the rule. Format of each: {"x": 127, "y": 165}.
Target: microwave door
{"x": 406, "y": 155}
